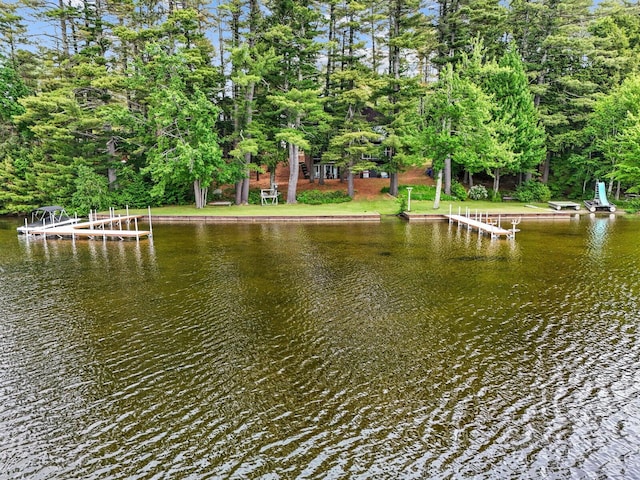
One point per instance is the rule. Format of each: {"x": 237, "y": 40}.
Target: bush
{"x": 132, "y": 190}
{"x": 419, "y": 192}
{"x": 494, "y": 196}
{"x": 316, "y": 197}
{"x": 478, "y": 192}
{"x": 92, "y": 191}
{"x": 254, "y": 196}
{"x": 458, "y": 191}
{"x": 633, "y": 206}
{"x": 532, "y": 191}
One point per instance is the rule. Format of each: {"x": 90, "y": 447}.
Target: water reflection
{"x": 123, "y": 254}
{"x": 323, "y": 351}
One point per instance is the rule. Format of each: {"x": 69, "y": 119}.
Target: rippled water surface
{"x": 375, "y": 351}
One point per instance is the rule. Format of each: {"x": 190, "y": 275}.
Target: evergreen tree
{"x": 294, "y": 90}
{"x": 613, "y": 127}
{"x": 554, "y": 41}
{"x": 408, "y": 33}
{"x": 513, "y": 104}
{"x": 458, "y": 127}
{"x": 186, "y": 147}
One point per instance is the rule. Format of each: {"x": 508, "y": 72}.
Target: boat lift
{"x": 113, "y": 226}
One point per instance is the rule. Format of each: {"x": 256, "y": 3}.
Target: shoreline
{"x": 366, "y": 217}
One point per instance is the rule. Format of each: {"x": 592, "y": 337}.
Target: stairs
{"x": 305, "y": 171}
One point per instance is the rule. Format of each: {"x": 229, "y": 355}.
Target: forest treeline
{"x": 158, "y": 102}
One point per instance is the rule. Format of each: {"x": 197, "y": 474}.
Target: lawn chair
{"x": 269, "y": 196}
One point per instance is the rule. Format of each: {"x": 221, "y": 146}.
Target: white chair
{"x": 269, "y": 195}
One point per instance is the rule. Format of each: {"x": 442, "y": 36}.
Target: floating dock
{"x": 485, "y": 224}
{"x": 113, "y": 227}
{"x": 560, "y": 205}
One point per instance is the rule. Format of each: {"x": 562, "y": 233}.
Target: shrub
{"x": 419, "y": 192}
{"x": 532, "y": 191}
{"x": 132, "y": 190}
{"x": 316, "y": 197}
{"x": 458, "y": 191}
{"x": 494, "y": 196}
{"x": 254, "y": 196}
{"x": 633, "y": 206}
{"x": 92, "y": 191}
{"x": 478, "y": 192}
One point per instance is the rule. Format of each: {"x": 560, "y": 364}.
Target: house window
{"x": 330, "y": 170}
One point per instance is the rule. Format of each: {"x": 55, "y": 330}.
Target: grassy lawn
{"x": 384, "y": 206}
{"x": 426, "y": 207}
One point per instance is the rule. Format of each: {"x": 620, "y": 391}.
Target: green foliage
{"x": 615, "y": 130}
{"x": 532, "y": 191}
{"x": 478, "y": 192}
{"x": 254, "y": 196}
{"x": 458, "y": 191}
{"x": 186, "y": 149}
{"x": 419, "y": 192}
{"x": 494, "y": 196}
{"x": 11, "y": 90}
{"x": 139, "y": 83}
{"x": 316, "y": 197}
{"x": 633, "y": 206}
{"x": 92, "y": 191}
{"x": 132, "y": 189}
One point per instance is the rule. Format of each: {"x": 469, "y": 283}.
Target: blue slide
{"x": 602, "y": 195}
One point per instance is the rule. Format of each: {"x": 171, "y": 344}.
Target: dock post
{"x": 150, "y": 226}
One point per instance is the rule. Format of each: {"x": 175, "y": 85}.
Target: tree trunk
{"x": 545, "y": 169}
{"x": 447, "y": 175}
{"x": 496, "y": 180}
{"x": 112, "y": 176}
{"x": 63, "y": 28}
{"x": 245, "y": 190}
{"x": 351, "y": 191}
{"x": 238, "y": 195}
{"x": 395, "y": 17}
{"x": 436, "y": 201}
{"x": 244, "y": 197}
{"x": 293, "y": 173}
{"x": 200, "y": 193}
{"x": 393, "y": 183}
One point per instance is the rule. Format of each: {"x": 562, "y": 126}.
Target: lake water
{"x": 361, "y": 351}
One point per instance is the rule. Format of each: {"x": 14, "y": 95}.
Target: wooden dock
{"x": 485, "y": 224}
{"x": 114, "y": 227}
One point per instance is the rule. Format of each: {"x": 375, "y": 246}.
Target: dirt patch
{"x": 366, "y": 188}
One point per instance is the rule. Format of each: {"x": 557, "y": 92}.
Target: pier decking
{"x": 117, "y": 227}
{"x": 489, "y": 225}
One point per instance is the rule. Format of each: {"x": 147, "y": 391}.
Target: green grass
{"x": 426, "y": 207}
{"x": 384, "y": 206}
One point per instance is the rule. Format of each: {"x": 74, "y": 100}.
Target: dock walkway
{"x": 490, "y": 226}
{"x": 118, "y": 227}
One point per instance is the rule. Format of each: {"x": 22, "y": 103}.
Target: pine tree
{"x": 458, "y": 127}
{"x": 554, "y": 41}
{"x": 295, "y": 90}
